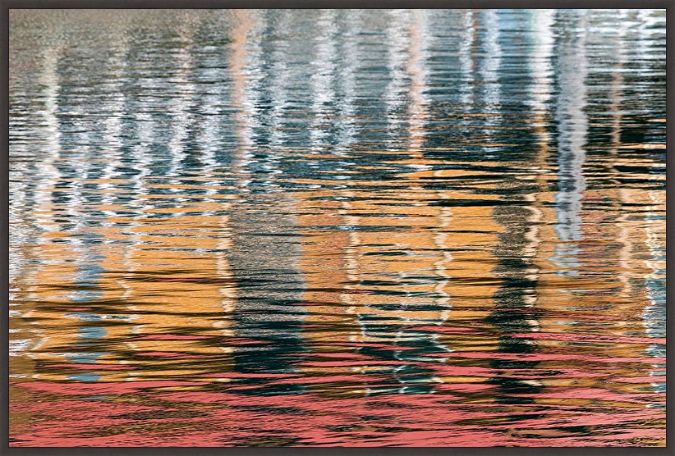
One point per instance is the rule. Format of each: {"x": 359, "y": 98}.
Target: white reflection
{"x": 417, "y": 71}
{"x": 350, "y": 57}
{"x": 466, "y": 58}
{"x": 572, "y": 132}
{"x": 180, "y": 108}
{"x": 115, "y": 107}
{"x": 46, "y": 211}
{"x": 49, "y": 173}
{"x": 282, "y": 79}
{"x": 397, "y": 55}
{"x": 540, "y": 59}
{"x": 322, "y": 91}
{"x": 240, "y": 98}
{"x": 491, "y": 61}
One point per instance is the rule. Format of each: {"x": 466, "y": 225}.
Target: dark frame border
{"x": 6, "y": 5}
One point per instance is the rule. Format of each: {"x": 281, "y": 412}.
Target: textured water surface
{"x": 341, "y": 228}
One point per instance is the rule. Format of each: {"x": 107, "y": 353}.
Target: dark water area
{"x": 337, "y": 228}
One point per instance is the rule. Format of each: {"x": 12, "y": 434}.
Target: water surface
{"x": 337, "y": 228}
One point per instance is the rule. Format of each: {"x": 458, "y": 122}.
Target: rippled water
{"x": 342, "y": 228}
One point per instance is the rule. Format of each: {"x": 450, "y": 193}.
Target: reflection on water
{"x": 360, "y": 228}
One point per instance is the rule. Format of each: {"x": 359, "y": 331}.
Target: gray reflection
{"x": 263, "y": 252}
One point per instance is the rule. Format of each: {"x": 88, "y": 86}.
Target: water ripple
{"x": 337, "y": 228}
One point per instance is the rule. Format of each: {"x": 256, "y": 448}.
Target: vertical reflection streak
{"x": 397, "y": 48}
{"x": 242, "y": 116}
{"x": 572, "y": 132}
{"x": 323, "y": 93}
{"x": 46, "y": 211}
